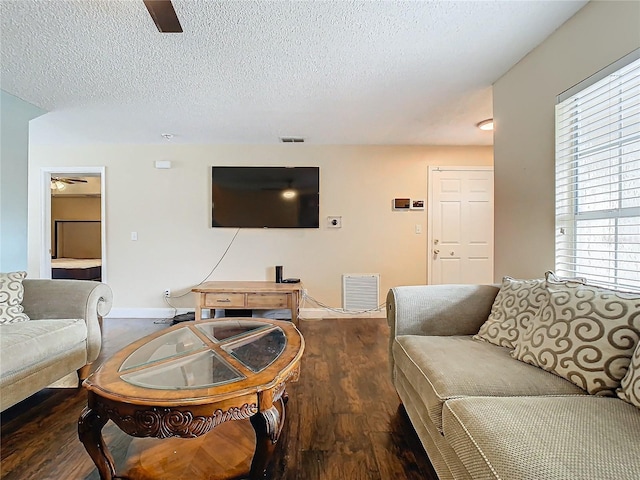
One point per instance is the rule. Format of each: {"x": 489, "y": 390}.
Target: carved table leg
{"x": 90, "y": 426}
{"x": 267, "y": 425}
{"x": 83, "y": 372}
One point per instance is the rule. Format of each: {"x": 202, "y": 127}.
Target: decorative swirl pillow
{"x": 515, "y": 306}
{"x": 629, "y": 390}
{"x": 586, "y": 334}
{"x": 11, "y": 294}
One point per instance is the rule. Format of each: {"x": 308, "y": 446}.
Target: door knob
{"x": 436, "y": 252}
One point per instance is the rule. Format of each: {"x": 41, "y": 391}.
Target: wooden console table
{"x": 248, "y": 295}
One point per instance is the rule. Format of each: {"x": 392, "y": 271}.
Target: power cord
{"x": 188, "y": 291}
{"x": 306, "y": 296}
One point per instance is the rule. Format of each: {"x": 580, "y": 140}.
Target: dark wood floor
{"x": 343, "y": 418}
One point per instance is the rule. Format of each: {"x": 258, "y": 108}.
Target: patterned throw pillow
{"x": 11, "y": 293}
{"x": 515, "y": 306}
{"x": 629, "y": 390}
{"x": 586, "y": 334}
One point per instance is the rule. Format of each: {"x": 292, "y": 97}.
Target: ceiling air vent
{"x": 292, "y": 139}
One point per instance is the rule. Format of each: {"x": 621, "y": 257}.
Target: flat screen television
{"x": 265, "y": 197}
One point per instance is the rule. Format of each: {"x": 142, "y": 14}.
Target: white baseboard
{"x": 317, "y": 313}
{"x": 310, "y": 313}
{"x": 146, "y": 312}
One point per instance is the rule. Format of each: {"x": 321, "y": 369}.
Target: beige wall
{"x": 523, "y": 102}
{"x": 176, "y": 247}
{"x": 76, "y": 240}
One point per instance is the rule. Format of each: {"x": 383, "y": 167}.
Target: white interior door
{"x": 460, "y": 239}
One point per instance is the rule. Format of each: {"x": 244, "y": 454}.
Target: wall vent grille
{"x": 292, "y": 139}
{"x": 360, "y": 291}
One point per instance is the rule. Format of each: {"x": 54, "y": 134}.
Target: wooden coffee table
{"x": 190, "y": 378}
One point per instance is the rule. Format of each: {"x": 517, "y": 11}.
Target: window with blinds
{"x": 598, "y": 180}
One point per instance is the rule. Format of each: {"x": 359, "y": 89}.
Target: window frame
{"x": 571, "y": 198}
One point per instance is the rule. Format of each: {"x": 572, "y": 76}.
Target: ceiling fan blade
{"x": 163, "y": 15}
{"x": 68, "y": 180}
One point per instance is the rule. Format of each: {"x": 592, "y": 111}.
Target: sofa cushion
{"x": 550, "y": 438}
{"x": 440, "y": 368}
{"x": 11, "y": 295}
{"x": 516, "y": 304}
{"x": 441, "y": 455}
{"x": 629, "y": 390}
{"x": 26, "y": 344}
{"x": 584, "y": 333}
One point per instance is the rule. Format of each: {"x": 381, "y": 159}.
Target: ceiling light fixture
{"x": 57, "y": 185}
{"x": 486, "y": 125}
{"x": 289, "y": 194}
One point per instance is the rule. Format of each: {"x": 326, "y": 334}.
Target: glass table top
{"x": 182, "y": 359}
{"x": 168, "y": 345}
{"x": 224, "y": 329}
{"x": 258, "y": 352}
{"x": 205, "y": 369}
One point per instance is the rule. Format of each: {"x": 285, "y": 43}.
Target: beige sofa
{"x": 482, "y": 414}
{"x": 61, "y": 339}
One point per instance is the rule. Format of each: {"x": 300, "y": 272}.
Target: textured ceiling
{"x": 333, "y": 72}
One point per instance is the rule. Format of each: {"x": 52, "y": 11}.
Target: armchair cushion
{"x": 11, "y": 295}
{"x": 25, "y": 345}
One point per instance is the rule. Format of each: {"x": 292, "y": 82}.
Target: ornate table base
{"x": 184, "y": 382}
{"x": 173, "y": 424}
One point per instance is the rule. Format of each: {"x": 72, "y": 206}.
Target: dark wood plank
{"x": 193, "y": 458}
{"x": 343, "y": 416}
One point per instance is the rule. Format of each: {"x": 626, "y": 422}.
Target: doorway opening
{"x": 73, "y": 224}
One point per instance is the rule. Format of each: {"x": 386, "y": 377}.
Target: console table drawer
{"x": 222, "y": 300}
{"x": 268, "y": 300}
{"x": 235, "y": 295}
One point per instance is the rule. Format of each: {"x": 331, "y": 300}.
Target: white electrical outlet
{"x": 167, "y": 292}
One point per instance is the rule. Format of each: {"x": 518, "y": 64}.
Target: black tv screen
{"x": 265, "y": 197}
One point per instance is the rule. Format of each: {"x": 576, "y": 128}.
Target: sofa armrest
{"x": 441, "y": 310}
{"x": 52, "y": 299}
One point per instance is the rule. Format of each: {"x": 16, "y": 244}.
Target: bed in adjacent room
{"x": 77, "y": 250}
{"x": 77, "y": 268}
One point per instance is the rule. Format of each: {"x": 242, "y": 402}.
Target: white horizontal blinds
{"x": 598, "y": 181}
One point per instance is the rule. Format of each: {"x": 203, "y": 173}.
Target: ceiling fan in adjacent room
{"x": 163, "y": 15}
{"x": 60, "y": 183}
